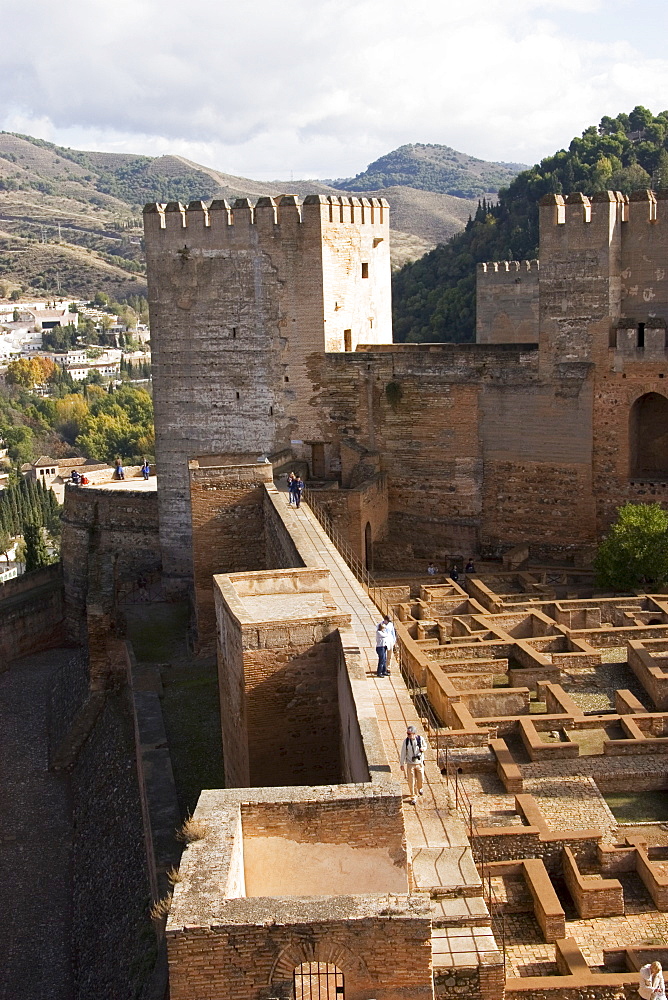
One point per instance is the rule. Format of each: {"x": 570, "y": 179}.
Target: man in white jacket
{"x": 411, "y": 758}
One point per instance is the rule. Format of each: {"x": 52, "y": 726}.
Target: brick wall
{"x": 385, "y": 957}
{"x": 507, "y": 302}
{"x": 109, "y": 536}
{"x": 227, "y": 505}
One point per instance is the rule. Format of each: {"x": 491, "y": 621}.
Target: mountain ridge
{"x": 88, "y": 204}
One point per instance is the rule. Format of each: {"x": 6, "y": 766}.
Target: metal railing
{"x": 464, "y": 806}
{"x": 433, "y": 726}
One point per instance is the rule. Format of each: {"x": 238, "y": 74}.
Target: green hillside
{"x": 433, "y": 168}
{"x": 434, "y": 298}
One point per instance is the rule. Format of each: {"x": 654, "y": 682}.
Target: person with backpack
{"x": 411, "y": 759}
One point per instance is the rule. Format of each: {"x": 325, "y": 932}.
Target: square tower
{"x": 240, "y": 299}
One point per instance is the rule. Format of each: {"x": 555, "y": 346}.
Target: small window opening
{"x": 286, "y": 378}
{"x": 238, "y": 396}
{"x": 365, "y": 270}
{"x": 371, "y": 322}
{"x": 234, "y": 333}
{"x": 271, "y": 411}
{"x": 641, "y": 336}
{"x": 347, "y": 340}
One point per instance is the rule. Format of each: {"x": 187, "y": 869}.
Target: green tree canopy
{"x": 634, "y": 554}
{"x": 434, "y": 297}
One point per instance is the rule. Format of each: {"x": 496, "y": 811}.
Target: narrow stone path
{"x": 35, "y": 882}
{"x": 431, "y": 823}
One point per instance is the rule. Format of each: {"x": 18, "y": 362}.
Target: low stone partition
{"x": 576, "y": 980}
{"x": 535, "y": 840}
{"x": 651, "y": 668}
{"x": 538, "y": 749}
{"x": 593, "y": 896}
{"x": 654, "y": 880}
{"x": 547, "y": 909}
{"x": 626, "y": 703}
{"x": 506, "y": 768}
{"x": 557, "y": 701}
{"x": 481, "y": 702}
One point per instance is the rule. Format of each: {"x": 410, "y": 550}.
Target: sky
{"x": 320, "y": 88}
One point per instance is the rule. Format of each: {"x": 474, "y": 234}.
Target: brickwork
{"x": 108, "y": 537}
{"x": 507, "y": 302}
{"x": 239, "y": 298}
{"x": 227, "y": 506}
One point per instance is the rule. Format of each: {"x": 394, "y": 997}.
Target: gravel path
{"x": 34, "y": 840}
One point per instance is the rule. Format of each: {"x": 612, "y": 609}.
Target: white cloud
{"x": 322, "y": 88}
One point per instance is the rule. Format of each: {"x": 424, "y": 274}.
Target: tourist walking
{"x": 120, "y": 472}
{"x": 291, "y": 488}
{"x": 411, "y": 758}
{"x": 651, "y": 985}
{"x": 146, "y": 470}
{"x": 390, "y": 640}
{"x": 432, "y": 569}
{"x": 298, "y": 488}
{"x": 381, "y": 649}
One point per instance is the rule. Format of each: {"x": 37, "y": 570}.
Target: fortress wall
{"x": 31, "y": 614}
{"x": 109, "y": 536}
{"x": 644, "y": 266}
{"x": 613, "y": 482}
{"x": 477, "y": 449}
{"x": 228, "y": 530}
{"x": 580, "y": 283}
{"x": 507, "y": 302}
{"x": 387, "y": 957}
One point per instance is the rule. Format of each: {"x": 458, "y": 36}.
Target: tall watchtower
{"x": 240, "y": 297}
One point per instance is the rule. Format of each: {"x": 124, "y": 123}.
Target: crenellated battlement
{"x": 222, "y": 222}
{"x": 577, "y": 209}
{"x": 508, "y": 270}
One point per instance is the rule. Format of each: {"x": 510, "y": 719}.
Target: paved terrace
{"x": 436, "y": 837}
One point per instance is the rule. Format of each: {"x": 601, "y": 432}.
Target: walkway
{"x": 34, "y": 840}
{"x": 436, "y": 837}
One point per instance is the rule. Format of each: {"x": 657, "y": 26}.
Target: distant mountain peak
{"x": 432, "y": 167}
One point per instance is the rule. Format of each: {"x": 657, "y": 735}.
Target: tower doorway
{"x": 648, "y": 437}
{"x": 368, "y": 548}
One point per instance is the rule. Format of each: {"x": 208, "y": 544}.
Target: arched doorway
{"x": 318, "y": 981}
{"x": 368, "y": 548}
{"x": 648, "y": 437}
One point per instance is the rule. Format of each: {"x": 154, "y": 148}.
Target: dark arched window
{"x": 648, "y": 437}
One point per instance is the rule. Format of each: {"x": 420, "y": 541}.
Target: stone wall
{"x": 507, "y": 302}
{"x": 238, "y": 298}
{"x": 387, "y": 957}
{"x": 227, "y": 507}
{"x": 110, "y": 537}
{"x": 31, "y": 614}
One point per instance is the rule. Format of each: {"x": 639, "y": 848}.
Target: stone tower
{"x": 240, "y": 297}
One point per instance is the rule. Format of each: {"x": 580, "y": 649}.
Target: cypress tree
{"x": 36, "y": 553}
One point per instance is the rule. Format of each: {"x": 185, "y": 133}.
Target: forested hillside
{"x": 434, "y": 298}
{"x": 431, "y": 167}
